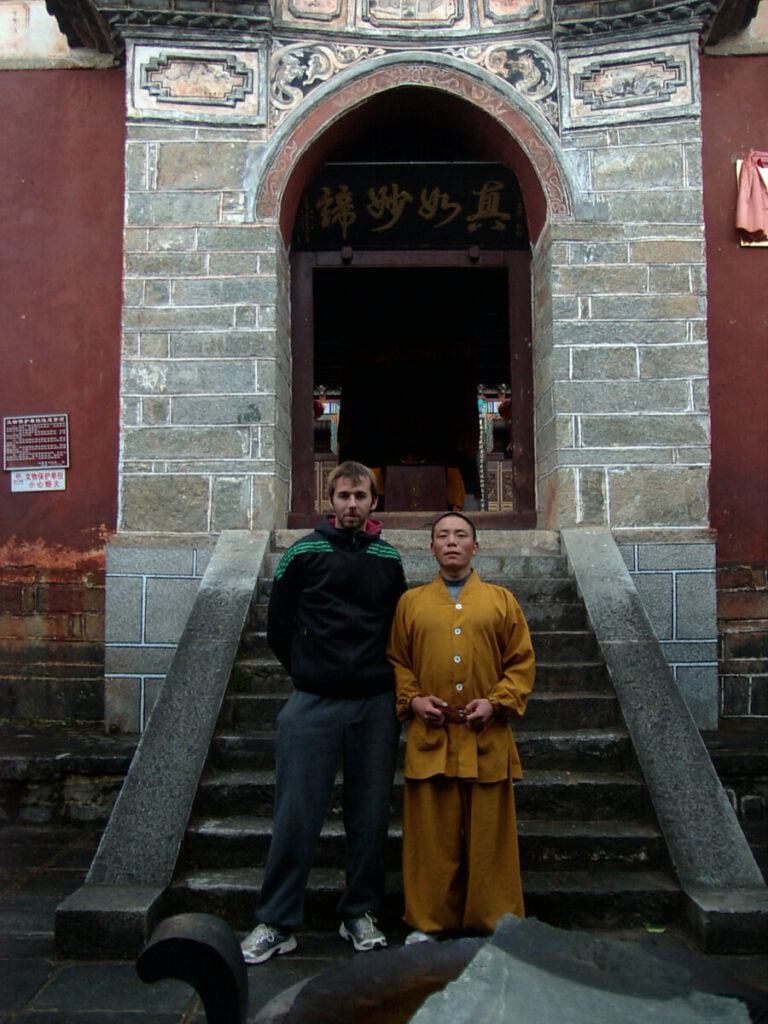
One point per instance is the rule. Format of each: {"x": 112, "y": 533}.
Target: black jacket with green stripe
{"x": 330, "y": 611}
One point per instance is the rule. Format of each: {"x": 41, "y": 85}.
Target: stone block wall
{"x": 51, "y": 638}
{"x": 200, "y": 355}
{"x": 621, "y": 349}
{"x": 675, "y": 579}
{"x": 152, "y": 583}
{"x": 619, "y": 341}
{"x": 622, "y": 428}
{"x": 742, "y": 622}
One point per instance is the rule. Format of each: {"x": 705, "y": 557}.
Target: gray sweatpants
{"x": 314, "y": 736}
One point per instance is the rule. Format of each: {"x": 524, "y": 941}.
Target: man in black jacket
{"x": 332, "y": 602}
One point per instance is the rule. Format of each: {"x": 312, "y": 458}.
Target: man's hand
{"x": 479, "y": 713}
{"x": 429, "y": 709}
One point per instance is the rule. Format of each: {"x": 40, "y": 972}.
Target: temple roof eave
{"x": 101, "y": 25}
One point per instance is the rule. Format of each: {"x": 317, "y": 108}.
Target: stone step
{"x": 545, "y": 793}
{"x": 586, "y": 749}
{"x": 601, "y": 898}
{"x": 558, "y": 677}
{"x": 492, "y": 565}
{"x": 259, "y": 672}
{"x": 540, "y": 614}
{"x": 564, "y": 646}
{"x": 52, "y": 773}
{"x": 541, "y": 794}
{"x": 551, "y": 644}
{"x": 596, "y": 749}
{"x": 553, "y": 710}
{"x": 527, "y": 590}
{"x": 243, "y": 841}
{"x": 552, "y": 615}
{"x": 590, "y": 848}
{"x": 238, "y": 750}
{"x": 597, "y": 898}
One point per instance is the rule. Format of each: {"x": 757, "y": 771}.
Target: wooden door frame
{"x": 517, "y": 264}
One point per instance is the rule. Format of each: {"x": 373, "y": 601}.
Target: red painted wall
{"x": 734, "y": 91}
{"x": 61, "y": 168}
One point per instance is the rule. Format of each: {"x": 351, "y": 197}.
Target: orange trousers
{"x": 461, "y": 866}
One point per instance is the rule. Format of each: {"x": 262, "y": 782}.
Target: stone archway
{"x": 500, "y": 132}
{"x": 511, "y": 135}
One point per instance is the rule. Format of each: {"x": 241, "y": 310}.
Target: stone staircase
{"x": 591, "y": 851}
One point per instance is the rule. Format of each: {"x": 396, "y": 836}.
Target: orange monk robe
{"x": 477, "y": 646}
{"x": 460, "y": 858}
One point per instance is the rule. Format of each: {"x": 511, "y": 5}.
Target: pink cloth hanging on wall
{"x": 752, "y": 198}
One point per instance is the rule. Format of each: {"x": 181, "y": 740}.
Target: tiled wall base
{"x": 151, "y": 586}
{"x": 676, "y": 583}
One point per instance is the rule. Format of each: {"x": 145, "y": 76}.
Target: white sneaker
{"x": 264, "y": 942}
{"x": 363, "y": 933}
{"x": 418, "y": 936}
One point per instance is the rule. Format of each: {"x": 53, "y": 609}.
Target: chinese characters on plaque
{"x": 429, "y": 206}
{"x": 36, "y": 451}
{"x": 38, "y": 480}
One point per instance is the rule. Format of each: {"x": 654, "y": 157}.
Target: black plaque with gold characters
{"x": 412, "y": 206}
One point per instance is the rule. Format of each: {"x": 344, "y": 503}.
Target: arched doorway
{"x": 337, "y": 291}
{"x": 412, "y": 354}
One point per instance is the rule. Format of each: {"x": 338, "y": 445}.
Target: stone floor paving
{"x": 40, "y": 865}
